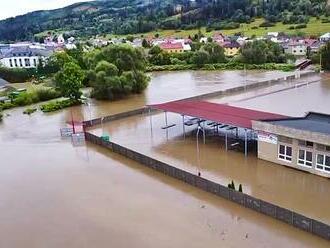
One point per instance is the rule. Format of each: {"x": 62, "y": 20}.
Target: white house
{"x": 296, "y": 48}
{"x": 60, "y": 40}
{"x": 203, "y": 40}
{"x": 325, "y": 37}
{"x": 24, "y": 57}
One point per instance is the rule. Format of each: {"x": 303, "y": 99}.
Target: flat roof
{"x": 313, "y": 122}
{"x": 220, "y": 113}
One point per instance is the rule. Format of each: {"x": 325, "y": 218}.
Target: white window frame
{"x": 305, "y": 161}
{"x": 323, "y": 165}
{"x": 286, "y": 158}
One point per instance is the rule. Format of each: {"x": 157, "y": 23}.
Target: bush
{"x": 27, "y": 98}
{"x": 300, "y": 26}
{"x": 29, "y": 111}
{"x": 16, "y": 75}
{"x": 6, "y": 105}
{"x": 267, "y": 24}
{"x": 224, "y": 66}
{"x": 57, "y": 105}
{"x": 325, "y": 20}
{"x": 224, "y": 25}
{"x": 47, "y": 94}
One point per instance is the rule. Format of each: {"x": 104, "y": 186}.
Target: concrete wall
{"x": 21, "y": 60}
{"x": 285, "y": 215}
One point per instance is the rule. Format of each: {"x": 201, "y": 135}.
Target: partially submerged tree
{"x": 325, "y": 59}
{"x": 116, "y": 71}
{"x": 69, "y": 80}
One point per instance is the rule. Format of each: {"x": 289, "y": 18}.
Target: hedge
{"x": 16, "y": 75}
{"x": 223, "y": 66}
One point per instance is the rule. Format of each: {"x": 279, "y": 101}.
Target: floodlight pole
{"x": 72, "y": 122}
{"x": 183, "y": 128}
{"x": 198, "y": 151}
{"x": 245, "y": 145}
{"x": 166, "y": 125}
{"x": 150, "y": 119}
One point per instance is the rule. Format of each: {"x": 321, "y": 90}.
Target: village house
{"x": 296, "y": 48}
{"x": 231, "y": 48}
{"x": 313, "y": 45}
{"x": 24, "y": 57}
{"x": 218, "y": 38}
{"x": 325, "y": 37}
{"x": 171, "y": 47}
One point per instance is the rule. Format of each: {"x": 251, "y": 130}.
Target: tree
{"x": 200, "y": 58}
{"x": 216, "y": 53}
{"x": 325, "y": 53}
{"x": 240, "y": 188}
{"x": 54, "y": 63}
{"x": 145, "y": 43}
{"x": 117, "y": 71}
{"x": 69, "y": 80}
{"x": 259, "y": 52}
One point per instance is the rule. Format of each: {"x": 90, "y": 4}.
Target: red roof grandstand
{"x": 220, "y": 113}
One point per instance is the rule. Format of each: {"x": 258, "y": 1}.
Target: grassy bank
{"x": 313, "y": 27}
{"x": 58, "y": 105}
{"x": 222, "y": 66}
{"x": 28, "y": 98}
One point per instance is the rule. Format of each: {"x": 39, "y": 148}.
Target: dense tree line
{"x": 256, "y": 52}
{"x": 134, "y": 16}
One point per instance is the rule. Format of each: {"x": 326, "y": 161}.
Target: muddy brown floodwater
{"x": 55, "y": 195}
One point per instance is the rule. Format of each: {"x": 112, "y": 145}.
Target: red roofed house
{"x": 170, "y": 47}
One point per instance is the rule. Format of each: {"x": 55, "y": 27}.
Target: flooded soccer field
{"x": 56, "y": 195}
{"x": 289, "y": 188}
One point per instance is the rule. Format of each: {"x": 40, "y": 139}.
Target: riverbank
{"x": 222, "y": 66}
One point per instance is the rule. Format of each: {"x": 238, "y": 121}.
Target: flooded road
{"x": 56, "y": 195}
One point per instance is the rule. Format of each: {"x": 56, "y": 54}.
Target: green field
{"x": 314, "y": 27}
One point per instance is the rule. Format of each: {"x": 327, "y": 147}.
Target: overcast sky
{"x": 9, "y": 8}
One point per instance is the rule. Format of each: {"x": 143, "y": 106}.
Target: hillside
{"x": 140, "y": 16}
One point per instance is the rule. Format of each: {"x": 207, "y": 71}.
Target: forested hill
{"x": 135, "y": 16}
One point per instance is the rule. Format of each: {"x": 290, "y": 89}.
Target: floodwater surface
{"x": 56, "y": 195}
{"x": 289, "y": 188}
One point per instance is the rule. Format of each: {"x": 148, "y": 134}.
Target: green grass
{"x": 314, "y": 27}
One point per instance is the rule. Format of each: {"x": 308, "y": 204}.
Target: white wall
{"x": 6, "y": 62}
{"x": 299, "y": 50}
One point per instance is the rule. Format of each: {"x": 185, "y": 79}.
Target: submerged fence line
{"x": 276, "y": 212}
